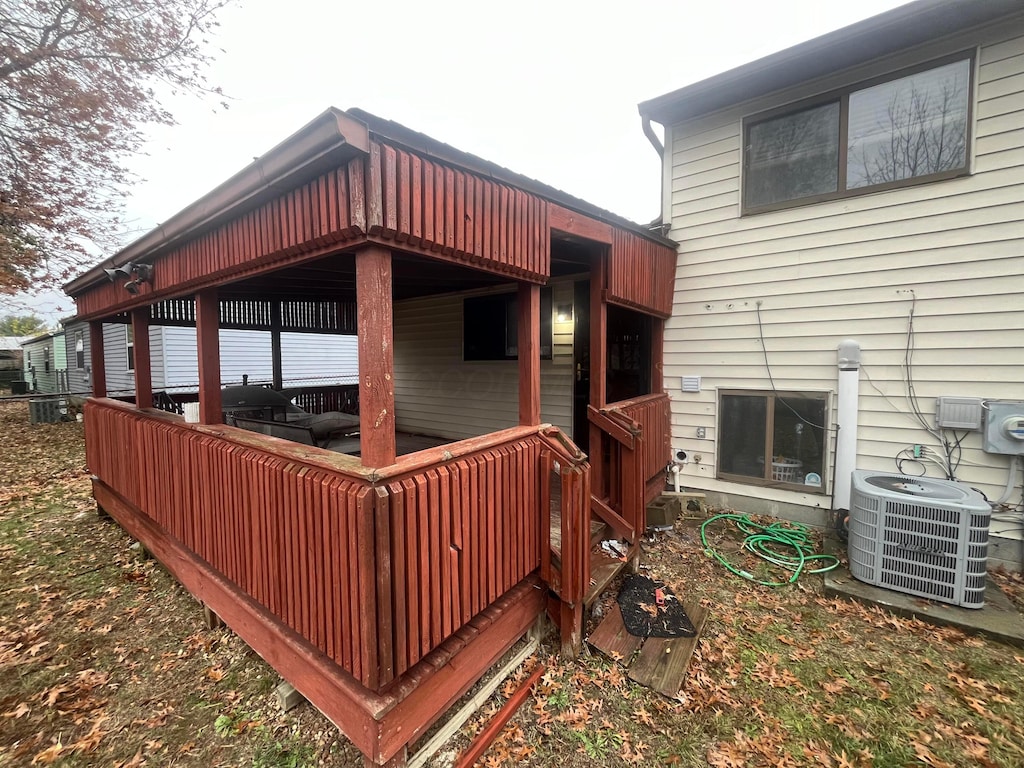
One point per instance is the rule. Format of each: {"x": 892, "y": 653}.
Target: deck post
{"x": 529, "y": 354}
{"x": 376, "y": 357}
{"x": 277, "y": 374}
{"x": 141, "y": 358}
{"x": 97, "y": 359}
{"x": 208, "y": 344}
{"x": 598, "y": 368}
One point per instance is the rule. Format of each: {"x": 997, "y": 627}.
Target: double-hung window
{"x": 129, "y": 345}
{"x": 905, "y": 129}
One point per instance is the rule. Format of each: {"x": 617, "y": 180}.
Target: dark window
{"x": 79, "y": 350}
{"x": 129, "y": 342}
{"x": 46, "y": 359}
{"x": 897, "y": 131}
{"x": 490, "y": 326}
{"x": 629, "y": 354}
{"x": 773, "y": 438}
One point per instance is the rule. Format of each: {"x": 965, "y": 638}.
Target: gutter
{"x": 297, "y": 158}
{"x": 653, "y": 137}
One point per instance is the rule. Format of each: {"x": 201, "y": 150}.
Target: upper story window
{"x": 907, "y": 129}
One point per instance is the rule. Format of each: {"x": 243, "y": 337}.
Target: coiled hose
{"x": 766, "y": 541}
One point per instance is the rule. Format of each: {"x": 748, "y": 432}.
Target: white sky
{"x": 547, "y": 89}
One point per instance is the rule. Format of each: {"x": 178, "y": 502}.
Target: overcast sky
{"x": 548, "y": 89}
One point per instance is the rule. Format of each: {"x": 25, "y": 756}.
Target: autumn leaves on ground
{"x": 104, "y": 660}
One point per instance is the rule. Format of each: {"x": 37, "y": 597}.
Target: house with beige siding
{"x": 865, "y": 186}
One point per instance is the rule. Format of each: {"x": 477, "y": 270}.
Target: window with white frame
{"x": 79, "y": 350}
{"x": 907, "y": 128}
{"x": 773, "y": 438}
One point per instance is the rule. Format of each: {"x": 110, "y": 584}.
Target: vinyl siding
{"x": 79, "y": 380}
{"x": 851, "y": 268}
{"x": 39, "y": 379}
{"x": 438, "y": 393}
{"x": 306, "y": 358}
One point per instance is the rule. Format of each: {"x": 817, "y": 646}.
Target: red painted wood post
{"x": 529, "y": 354}
{"x": 598, "y": 368}
{"x": 141, "y": 357}
{"x": 208, "y": 343}
{"x": 376, "y": 357}
{"x": 97, "y": 359}
{"x": 657, "y": 355}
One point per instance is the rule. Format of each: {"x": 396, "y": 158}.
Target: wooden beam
{"x": 376, "y": 357}
{"x": 141, "y": 357}
{"x": 657, "y": 354}
{"x": 529, "y": 354}
{"x": 572, "y": 223}
{"x": 97, "y": 359}
{"x": 598, "y": 368}
{"x": 208, "y": 343}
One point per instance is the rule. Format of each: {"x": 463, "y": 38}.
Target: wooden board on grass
{"x": 612, "y": 639}
{"x": 663, "y": 662}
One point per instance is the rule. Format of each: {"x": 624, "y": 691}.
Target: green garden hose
{"x": 766, "y": 541}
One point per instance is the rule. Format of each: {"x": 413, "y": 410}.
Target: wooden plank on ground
{"x": 612, "y": 639}
{"x": 662, "y": 662}
{"x": 603, "y": 570}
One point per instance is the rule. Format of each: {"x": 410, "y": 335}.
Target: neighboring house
{"x": 307, "y": 358}
{"x": 45, "y": 363}
{"x": 864, "y": 185}
{"x": 11, "y": 356}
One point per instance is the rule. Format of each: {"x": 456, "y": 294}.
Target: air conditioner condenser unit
{"x": 920, "y": 536}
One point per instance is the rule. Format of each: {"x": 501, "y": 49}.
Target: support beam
{"x": 657, "y": 354}
{"x": 598, "y": 369}
{"x": 142, "y": 358}
{"x": 275, "y": 345}
{"x": 97, "y": 359}
{"x": 529, "y": 354}
{"x": 208, "y": 344}
{"x": 376, "y": 357}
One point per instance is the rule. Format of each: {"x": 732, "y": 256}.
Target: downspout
{"x": 846, "y": 440}
{"x": 653, "y": 137}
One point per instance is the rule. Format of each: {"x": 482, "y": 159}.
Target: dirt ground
{"x": 105, "y": 661}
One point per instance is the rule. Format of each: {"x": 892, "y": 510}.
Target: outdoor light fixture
{"x": 137, "y": 274}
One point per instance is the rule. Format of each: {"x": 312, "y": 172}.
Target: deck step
{"x": 603, "y": 570}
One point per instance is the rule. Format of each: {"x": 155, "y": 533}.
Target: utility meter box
{"x": 1004, "y": 427}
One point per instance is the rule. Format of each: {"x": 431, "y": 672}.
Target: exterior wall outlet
{"x": 701, "y": 434}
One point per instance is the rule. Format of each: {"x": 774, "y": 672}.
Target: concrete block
{"x": 287, "y": 696}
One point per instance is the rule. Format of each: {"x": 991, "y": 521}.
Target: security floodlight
{"x": 132, "y": 286}
{"x": 119, "y": 273}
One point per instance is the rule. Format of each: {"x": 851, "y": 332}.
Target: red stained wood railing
{"x": 652, "y": 414}
{"x": 460, "y": 536}
{"x": 375, "y": 568}
{"x": 297, "y": 539}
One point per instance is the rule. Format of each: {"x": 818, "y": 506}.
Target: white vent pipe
{"x": 846, "y": 439}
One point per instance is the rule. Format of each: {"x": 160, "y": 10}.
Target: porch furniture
{"x": 253, "y": 403}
